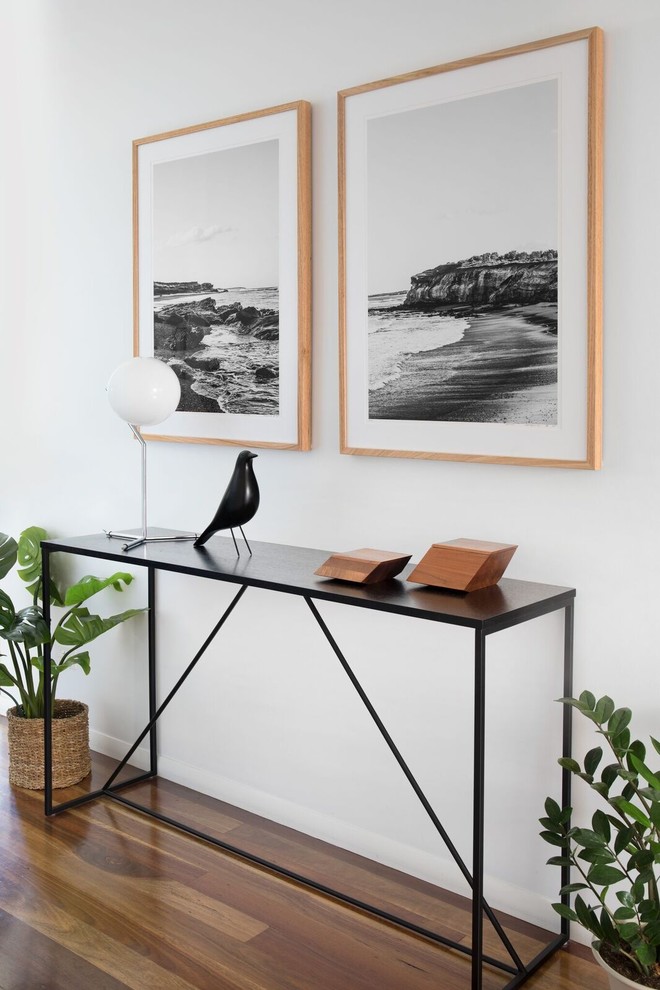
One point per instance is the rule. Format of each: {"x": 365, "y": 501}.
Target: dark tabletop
{"x": 291, "y": 570}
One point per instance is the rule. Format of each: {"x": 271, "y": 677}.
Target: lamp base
{"x": 137, "y": 537}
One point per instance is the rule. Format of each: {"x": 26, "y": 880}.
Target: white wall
{"x": 270, "y": 720}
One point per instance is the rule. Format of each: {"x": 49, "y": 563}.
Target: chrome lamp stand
{"x": 137, "y": 539}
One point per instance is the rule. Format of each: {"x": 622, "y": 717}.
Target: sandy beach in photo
{"x": 502, "y": 370}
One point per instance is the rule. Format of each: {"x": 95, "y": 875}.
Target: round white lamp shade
{"x": 144, "y": 391}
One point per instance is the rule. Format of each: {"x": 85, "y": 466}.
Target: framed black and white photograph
{"x": 222, "y": 275}
{"x": 470, "y": 258}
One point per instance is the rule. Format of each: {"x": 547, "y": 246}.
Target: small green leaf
{"x": 6, "y": 679}
{"x": 618, "y": 721}
{"x": 608, "y": 931}
{"x": 601, "y": 825}
{"x": 588, "y": 700}
{"x": 609, "y": 773}
{"x": 637, "y": 891}
{"x": 597, "y": 856}
{"x": 645, "y": 953}
{"x": 624, "y": 914}
{"x": 552, "y": 810}
{"x": 642, "y": 859}
{"x": 590, "y": 840}
{"x": 656, "y": 744}
{"x": 574, "y": 702}
{"x": 628, "y": 931}
{"x": 592, "y": 759}
{"x": 568, "y": 764}
{"x": 627, "y": 793}
{"x": 603, "y": 876}
{"x": 586, "y": 915}
{"x": 604, "y": 708}
{"x": 558, "y": 861}
{"x": 571, "y": 888}
{"x": 554, "y": 840}
{"x": 638, "y": 748}
{"x": 624, "y": 838}
{"x": 625, "y": 897}
{"x": 621, "y": 742}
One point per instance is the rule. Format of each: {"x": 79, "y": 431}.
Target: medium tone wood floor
{"x": 103, "y": 898}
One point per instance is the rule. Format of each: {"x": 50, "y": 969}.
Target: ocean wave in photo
{"x": 395, "y": 335}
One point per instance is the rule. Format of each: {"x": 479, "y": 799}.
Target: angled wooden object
{"x": 365, "y": 566}
{"x": 463, "y": 565}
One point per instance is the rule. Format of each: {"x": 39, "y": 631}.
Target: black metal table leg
{"x": 151, "y": 632}
{"x": 567, "y": 739}
{"x": 478, "y": 808}
{"x": 48, "y": 713}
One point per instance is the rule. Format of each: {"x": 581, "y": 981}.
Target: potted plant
{"x": 615, "y": 888}
{"x": 24, "y": 633}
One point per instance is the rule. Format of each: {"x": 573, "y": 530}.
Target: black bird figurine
{"x": 239, "y": 503}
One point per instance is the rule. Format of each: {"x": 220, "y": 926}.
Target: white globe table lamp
{"x": 143, "y": 392}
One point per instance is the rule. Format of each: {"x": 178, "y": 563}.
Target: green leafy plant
{"x": 25, "y": 631}
{"x": 613, "y": 861}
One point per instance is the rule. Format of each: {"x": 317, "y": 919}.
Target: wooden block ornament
{"x": 463, "y": 565}
{"x": 365, "y": 566}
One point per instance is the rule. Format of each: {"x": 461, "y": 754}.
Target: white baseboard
{"x": 438, "y": 870}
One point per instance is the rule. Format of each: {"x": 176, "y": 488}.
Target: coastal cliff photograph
{"x": 462, "y": 261}
{"x": 215, "y": 290}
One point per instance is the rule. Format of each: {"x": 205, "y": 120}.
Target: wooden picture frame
{"x": 222, "y": 275}
{"x": 470, "y": 258}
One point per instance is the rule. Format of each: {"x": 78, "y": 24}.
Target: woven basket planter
{"x": 71, "y": 759}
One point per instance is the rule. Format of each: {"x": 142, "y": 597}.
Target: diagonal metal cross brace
{"x": 414, "y": 784}
{"x": 193, "y": 663}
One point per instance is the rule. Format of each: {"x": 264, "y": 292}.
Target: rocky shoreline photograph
{"x": 216, "y": 274}
{"x": 474, "y": 341}
{"x": 224, "y": 353}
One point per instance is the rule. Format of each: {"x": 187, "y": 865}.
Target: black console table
{"x": 290, "y": 570}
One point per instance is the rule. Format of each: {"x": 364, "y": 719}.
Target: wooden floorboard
{"x": 104, "y": 898}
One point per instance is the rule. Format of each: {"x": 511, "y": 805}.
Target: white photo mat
{"x": 574, "y": 439}
{"x": 288, "y": 126}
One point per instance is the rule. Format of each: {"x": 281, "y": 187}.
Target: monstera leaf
{"x": 81, "y": 628}
{"x": 29, "y": 553}
{"x": 8, "y": 553}
{"x": 7, "y": 612}
{"x": 29, "y": 558}
{"x": 26, "y": 626}
{"x": 78, "y": 659}
{"x": 91, "y": 585}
